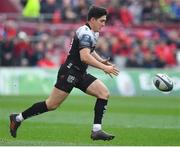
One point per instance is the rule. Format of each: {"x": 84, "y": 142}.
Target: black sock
{"x": 99, "y": 109}
{"x": 35, "y": 109}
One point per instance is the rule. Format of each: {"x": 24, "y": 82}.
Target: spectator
{"x": 7, "y": 42}
{"x": 103, "y": 49}
{"x": 120, "y": 46}
{"x": 32, "y": 9}
{"x": 38, "y": 53}
{"x": 125, "y": 16}
{"x": 135, "y": 9}
{"x": 159, "y": 62}
{"x": 161, "y": 32}
{"x": 22, "y": 50}
{"x": 9, "y": 30}
{"x": 166, "y": 52}
{"x": 131, "y": 61}
{"x": 148, "y": 60}
{"x": 23, "y": 3}
{"x": 155, "y": 44}
{"x": 147, "y": 11}
{"x": 175, "y": 9}
{"x": 165, "y": 10}
{"x": 49, "y": 8}
{"x": 46, "y": 61}
{"x": 82, "y": 10}
{"x": 6, "y": 47}
{"x": 68, "y": 12}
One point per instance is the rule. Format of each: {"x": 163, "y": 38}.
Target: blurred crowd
{"x": 126, "y": 12}
{"x": 125, "y": 39}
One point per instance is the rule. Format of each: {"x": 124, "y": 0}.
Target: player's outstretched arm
{"x": 87, "y": 58}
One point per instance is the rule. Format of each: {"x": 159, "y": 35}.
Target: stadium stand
{"x": 139, "y": 33}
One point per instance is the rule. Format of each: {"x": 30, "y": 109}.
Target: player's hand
{"x": 111, "y": 69}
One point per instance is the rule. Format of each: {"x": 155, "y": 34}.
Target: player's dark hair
{"x": 96, "y": 12}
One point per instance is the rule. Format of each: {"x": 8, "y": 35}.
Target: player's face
{"x": 99, "y": 23}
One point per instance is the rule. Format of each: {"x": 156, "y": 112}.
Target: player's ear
{"x": 93, "y": 19}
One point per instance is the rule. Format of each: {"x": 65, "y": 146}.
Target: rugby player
{"x": 73, "y": 74}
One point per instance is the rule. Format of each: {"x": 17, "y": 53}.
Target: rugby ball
{"x": 163, "y": 82}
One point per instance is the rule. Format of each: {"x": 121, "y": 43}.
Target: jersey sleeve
{"x": 85, "y": 39}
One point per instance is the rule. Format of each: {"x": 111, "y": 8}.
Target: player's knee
{"x": 52, "y": 106}
{"x": 104, "y": 94}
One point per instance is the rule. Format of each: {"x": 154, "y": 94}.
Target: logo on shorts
{"x": 70, "y": 79}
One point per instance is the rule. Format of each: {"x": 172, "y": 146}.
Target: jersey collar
{"x": 88, "y": 26}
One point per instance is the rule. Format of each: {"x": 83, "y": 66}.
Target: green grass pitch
{"x": 134, "y": 121}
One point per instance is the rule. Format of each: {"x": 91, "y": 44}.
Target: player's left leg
{"x": 56, "y": 97}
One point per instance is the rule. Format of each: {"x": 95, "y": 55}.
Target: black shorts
{"x": 68, "y": 78}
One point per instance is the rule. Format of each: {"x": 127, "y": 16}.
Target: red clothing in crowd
{"x": 22, "y": 47}
{"x": 167, "y": 53}
{"x": 46, "y": 63}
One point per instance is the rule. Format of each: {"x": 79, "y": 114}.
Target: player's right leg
{"x": 54, "y": 100}
{"x": 100, "y": 91}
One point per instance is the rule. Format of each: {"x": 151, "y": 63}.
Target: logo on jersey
{"x": 85, "y": 41}
{"x": 70, "y": 79}
{"x": 69, "y": 65}
{"x": 86, "y": 37}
